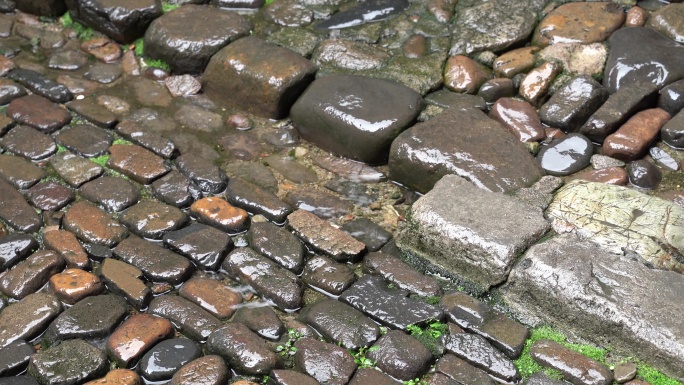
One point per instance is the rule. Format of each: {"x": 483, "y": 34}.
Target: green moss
{"x": 360, "y": 357}
{"x": 269, "y": 2}
{"x": 158, "y": 63}
{"x": 653, "y": 376}
{"x": 139, "y": 47}
{"x": 166, "y": 7}
{"x": 61, "y": 149}
{"x": 101, "y": 160}
{"x": 429, "y": 335}
{"x": 83, "y": 32}
{"x": 122, "y": 141}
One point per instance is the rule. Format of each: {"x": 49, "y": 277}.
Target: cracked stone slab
{"x": 621, "y": 220}
{"x": 469, "y": 232}
{"x": 589, "y": 293}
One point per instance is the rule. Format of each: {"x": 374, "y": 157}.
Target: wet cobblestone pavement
{"x": 432, "y": 192}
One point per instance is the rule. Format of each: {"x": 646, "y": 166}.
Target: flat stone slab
{"x": 90, "y": 319}
{"x": 135, "y": 336}
{"x": 329, "y": 364}
{"x": 465, "y": 142}
{"x": 469, "y": 232}
{"x": 28, "y": 318}
{"x": 575, "y": 367}
{"x": 341, "y": 324}
{"x": 277, "y": 244}
{"x": 75, "y": 170}
{"x": 158, "y": 264}
{"x": 16, "y": 211}
{"x": 242, "y": 349}
{"x": 91, "y": 224}
{"x": 191, "y": 319}
{"x": 322, "y": 236}
{"x": 620, "y": 220}
{"x": 592, "y": 294}
{"x": 478, "y": 352}
{"x": 20, "y": 172}
{"x": 71, "y": 362}
{"x": 204, "y": 245}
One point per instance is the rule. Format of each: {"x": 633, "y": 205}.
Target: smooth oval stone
{"x": 166, "y": 358}
{"x": 158, "y": 264}
{"x": 632, "y": 139}
{"x": 207, "y": 370}
{"x": 269, "y": 280}
{"x": 516, "y": 61}
{"x": 41, "y": 85}
{"x": 356, "y": 331}
{"x": 91, "y": 224}
{"x": 494, "y": 89}
{"x": 113, "y": 193}
{"x": 15, "y": 248}
{"x": 672, "y": 132}
{"x": 520, "y": 118}
{"x": 567, "y": 155}
{"x": 93, "y": 318}
{"x": 658, "y": 61}
{"x": 400, "y": 355}
{"x": 323, "y": 237}
{"x": 73, "y": 285}
{"x": 137, "y": 163}
{"x": 244, "y": 351}
{"x": 354, "y": 116}
{"x": 256, "y": 200}
{"x": 536, "y": 84}
{"x": 214, "y": 296}
{"x": 671, "y": 97}
{"x": 364, "y": 13}
{"x": 192, "y": 320}
{"x": 71, "y": 362}
{"x": 103, "y": 73}
{"x": 30, "y": 275}
{"x": 262, "y": 321}
{"x": 327, "y": 275}
{"x": 67, "y": 60}
{"x": 151, "y": 219}
{"x": 28, "y": 318}
{"x": 14, "y": 358}
{"x": 327, "y": 363}
{"x": 49, "y": 196}
{"x": 137, "y": 335}
{"x": 277, "y": 244}
{"x": 644, "y": 174}
{"x": 204, "y": 245}
{"x": 573, "y": 365}
{"x": 579, "y": 23}
{"x": 462, "y": 74}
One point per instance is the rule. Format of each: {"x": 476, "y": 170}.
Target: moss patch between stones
{"x": 527, "y": 366}
{"x": 83, "y": 32}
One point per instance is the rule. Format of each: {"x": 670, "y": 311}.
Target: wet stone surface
{"x": 71, "y": 361}
{"x": 115, "y": 194}
{"x": 242, "y": 349}
{"x": 329, "y": 364}
{"x": 190, "y": 318}
{"x": 262, "y": 321}
{"x": 166, "y": 358}
{"x": 202, "y": 244}
{"x": 135, "y": 336}
{"x": 93, "y": 318}
{"x": 327, "y": 275}
{"x": 158, "y": 264}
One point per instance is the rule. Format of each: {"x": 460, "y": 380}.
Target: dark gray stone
{"x": 166, "y": 358}
{"x": 113, "y": 193}
{"x": 354, "y": 116}
{"x": 566, "y": 155}
{"x": 368, "y": 232}
{"x": 85, "y": 140}
{"x": 575, "y": 367}
{"x": 19, "y": 172}
{"x": 158, "y": 264}
{"x": 341, "y": 324}
{"x": 329, "y": 364}
{"x": 461, "y": 371}
{"x": 327, "y": 275}
{"x": 475, "y": 350}
{"x": 191, "y": 319}
{"x": 28, "y": 142}
{"x": 204, "y": 173}
{"x": 482, "y": 248}
{"x": 400, "y": 355}
{"x": 122, "y": 20}
{"x": 188, "y": 50}
{"x": 596, "y": 295}
{"x": 15, "y": 211}
{"x": 262, "y": 321}
{"x": 41, "y": 85}
{"x": 242, "y": 349}
{"x": 364, "y": 13}
{"x": 388, "y": 306}
{"x": 464, "y": 142}
{"x": 30, "y": 275}
{"x": 570, "y": 107}
{"x": 277, "y": 244}
{"x": 176, "y": 189}
{"x": 71, "y": 362}
{"x": 92, "y": 319}
{"x": 671, "y": 97}
{"x": 15, "y": 248}
{"x": 644, "y": 174}
{"x": 319, "y": 202}
{"x": 14, "y": 358}
{"x": 641, "y": 54}
{"x": 672, "y": 132}
{"x": 49, "y": 8}
{"x": 401, "y": 274}
{"x": 204, "y": 245}
{"x": 256, "y": 200}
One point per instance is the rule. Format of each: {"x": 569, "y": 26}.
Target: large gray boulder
{"x": 467, "y": 232}
{"x": 622, "y": 220}
{"x": 607, "y": 298}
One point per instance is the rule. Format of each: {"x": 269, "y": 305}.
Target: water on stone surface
{"x": 106, "y": 140}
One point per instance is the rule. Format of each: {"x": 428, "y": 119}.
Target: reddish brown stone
{"x": 610, "y": 175}
{"x": 575, "y": 367}
{"x": 125, "y": 279}
{"x": 632, "y": 139}
{"x": 6, "y": 65}
{"x": 135, "y": 336}
{"x": 72, "y": 285}
{"x": 579, "y": 23}
{"x": 442, "y": 9}
{"x": 320, "y": 235}
{"x": 520, "y": 118}
{"x": 214, "y": 296}
{"x": 217, "y": 212}
{"x": 103, "y": 49}
{"x": 205, "y": 370}
{"x": 90, "y": 224}
{"x": 118, "y": 377}
{"x": 636, "y": 17}
{"x": 50, "y": 196}
{"x": 415, "y": 46}
{"x": 66, "y": 245}
{"x": 535, "y": 86}
{"x": 514, "y": 62}
{"x": 141, "y": 165}
{"x": 554, "y": 133}
{"x": 462, "y": 74}
{"x": 39, "y": 112}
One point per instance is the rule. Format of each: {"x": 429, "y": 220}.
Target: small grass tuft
{"x": 101, "y": 160}
{"x": 139, "y": 47}
{"x": 653, "y": 376}
{"x": 122, "y": 141}
{"x": 61, "y": 149}
{"x": 429, "y": 335}
{"x": 158, "y": 64}
{"x": 166, "y": 7}
{"x": 360, "y": 357}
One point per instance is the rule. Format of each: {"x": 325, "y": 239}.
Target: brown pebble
{"x": 415, "y": 46}
{"x": 632, "y": 139}
{"x": 535, "y": 87}
{"x": 6, "y": 65}
{"x": 463, "y": 74}
{"x": 136, "y": 335}
{"x": 636, "y": 17}
{"x": 214, "y": 296}
{"x": 118, "y": 377}
{"x": 66, "y": 245}
{"x": 104, "y": 50}
{"x": 514, "y": 62}
{"x": 72, "y": 285}
{"x": 519, "y": 118}
{"x": 217, "y": 212}
{"x": 609, "y": 175}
